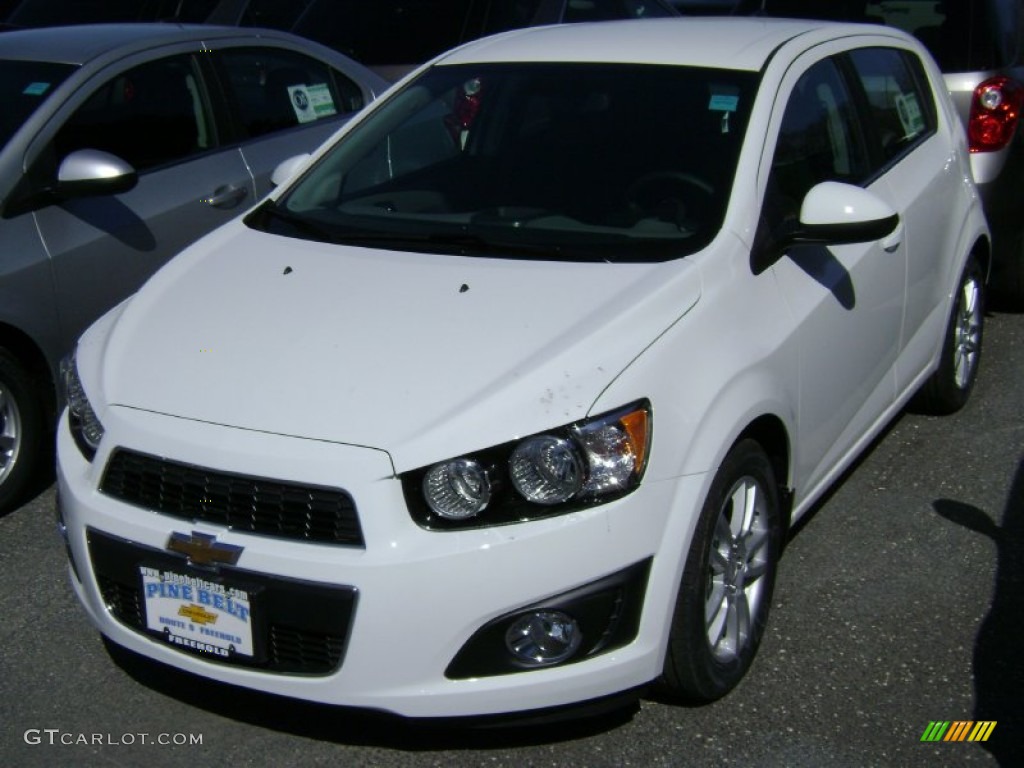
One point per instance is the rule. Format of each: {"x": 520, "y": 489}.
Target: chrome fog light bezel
{"x": 543, "y": 638}
{"x": 606, "y": 612}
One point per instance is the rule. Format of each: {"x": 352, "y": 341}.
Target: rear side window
{"x": 902, "y": 111}
{"x": 275, "y": 89}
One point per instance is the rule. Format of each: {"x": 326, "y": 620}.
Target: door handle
{"x": 226, "y": 196}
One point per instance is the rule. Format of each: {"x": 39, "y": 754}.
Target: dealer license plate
{"x": 197, "y": 614}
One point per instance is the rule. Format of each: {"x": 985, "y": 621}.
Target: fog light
{"x": 543, "y": 637}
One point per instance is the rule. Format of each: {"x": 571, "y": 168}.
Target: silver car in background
{"x": 120, "y": 145}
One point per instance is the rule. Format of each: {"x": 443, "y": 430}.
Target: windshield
{"x": 575, "y": 162}
{"x": 24, "y": 85}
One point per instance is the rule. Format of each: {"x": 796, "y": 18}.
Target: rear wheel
{"x": 949, "y": 387}
{"x": 22, "y": 429}
{"x": 722, "y": 607}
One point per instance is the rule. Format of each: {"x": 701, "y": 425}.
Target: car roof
{"x": 82, "y": 43}
{"x": 730, "y": 43}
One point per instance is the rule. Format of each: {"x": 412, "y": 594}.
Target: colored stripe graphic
{"x": 935, "y": 731}
{"x": 958, "y": 730}
{"x": 982, "y": 730}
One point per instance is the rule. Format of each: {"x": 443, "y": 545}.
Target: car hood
{"x": 421, "y": 355}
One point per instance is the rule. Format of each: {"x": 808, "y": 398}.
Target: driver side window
{"x": 150, "y": 116}
{"x": 819, "y": 140}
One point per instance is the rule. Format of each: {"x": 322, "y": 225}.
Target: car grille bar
{"x": 268, "y": 507}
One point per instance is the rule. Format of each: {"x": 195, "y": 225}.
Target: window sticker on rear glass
{"x": 910, "y": 114}
{"x": 36, "y": 89}
{"x": 311, "y": 102}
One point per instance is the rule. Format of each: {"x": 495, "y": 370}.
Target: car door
{"x": 920, "y": 174}
{"x": 153, "y": 114}
{"x": 284, "y": 103}
{"x": 846, "y": 301}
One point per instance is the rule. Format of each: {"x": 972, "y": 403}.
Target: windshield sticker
{"x": 311, "y": 102}
{"x": 726, "y": 103}
{"x": 723, "y": 102}
{"x": 36, "y": 89}
{"x": 910, "y": 114}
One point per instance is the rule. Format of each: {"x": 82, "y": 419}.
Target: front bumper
{"x": 395, "y": 612}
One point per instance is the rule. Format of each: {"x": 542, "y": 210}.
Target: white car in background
{"x": 507, "y": 400}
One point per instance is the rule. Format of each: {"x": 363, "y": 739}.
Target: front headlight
{"x": 590, "y": 462}
{"x": 85, "y": 426}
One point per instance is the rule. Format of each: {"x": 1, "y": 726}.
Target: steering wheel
{"x": 669, "y": 195}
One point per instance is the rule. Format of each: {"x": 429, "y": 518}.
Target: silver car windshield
{"x": 576, "y": 162}
{"x": 24, "y": 86}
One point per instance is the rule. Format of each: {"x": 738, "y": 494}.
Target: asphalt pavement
{"x": 900, "y": 603}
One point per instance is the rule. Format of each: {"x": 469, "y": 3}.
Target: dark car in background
{"x": 119, "y": 145}
{"x": 979, "y": 46}
{"x": 392, "y": 36}
{"x": 389, "y": 36}
{"x": 53, "y": 13}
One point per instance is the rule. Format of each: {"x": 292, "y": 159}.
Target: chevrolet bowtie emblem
{"x": 203, "y": 549}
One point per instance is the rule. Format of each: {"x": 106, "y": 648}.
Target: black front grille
{"x": 303, "y": 627}
{"x": 268, "y": 507}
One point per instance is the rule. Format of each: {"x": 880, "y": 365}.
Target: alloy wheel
{"x": 967, "y": 333}
{"x": 739, "y": 557}
{"x": 10, "y": 433}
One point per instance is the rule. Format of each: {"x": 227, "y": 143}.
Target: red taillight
{"x": 995, "y": 111}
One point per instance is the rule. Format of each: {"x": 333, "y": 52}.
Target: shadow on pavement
{"x": 998, "y": 657}
{"x": 359, "y": 727}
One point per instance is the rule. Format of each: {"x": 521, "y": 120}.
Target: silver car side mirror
{"x": 94, "y": 172}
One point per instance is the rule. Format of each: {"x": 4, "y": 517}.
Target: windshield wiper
{"x": 306, "y": 226}
{"x": 457, "y": 243}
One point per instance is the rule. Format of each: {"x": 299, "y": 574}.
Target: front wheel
{"x": 949, "y": 387}
{"x": 726, "y": 590}
{"x": 22, "y": 430}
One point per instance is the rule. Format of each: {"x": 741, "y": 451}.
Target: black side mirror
{"x": 832, "y": 213}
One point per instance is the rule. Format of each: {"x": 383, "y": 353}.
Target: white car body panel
{"x": 466, "y": 309}
{"x": 332, "y": 366}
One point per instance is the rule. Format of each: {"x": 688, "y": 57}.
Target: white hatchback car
{"x": 507, "y": 399}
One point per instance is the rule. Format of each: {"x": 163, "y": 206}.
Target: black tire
{"x": 22, "y": 431}
{"x": 949, "y": 387}
{"x": 696, "y": 668}
{"x": 1006, "y": 283}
